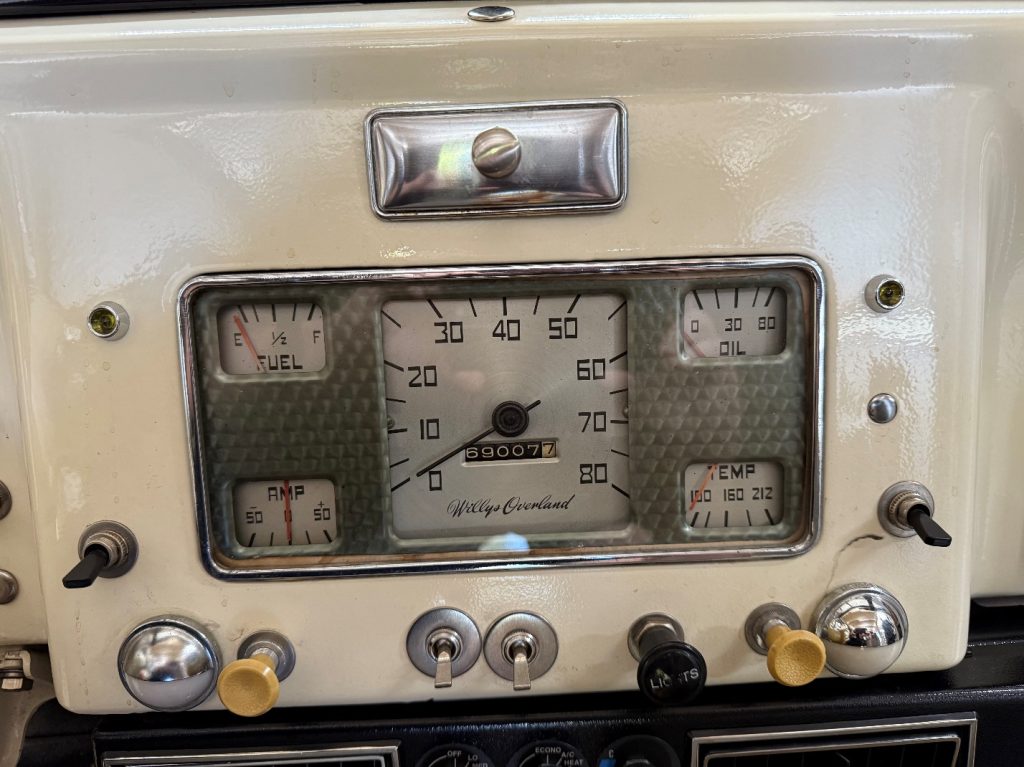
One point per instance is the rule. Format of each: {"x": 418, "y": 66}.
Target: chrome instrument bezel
{"x": 739, "y": 265}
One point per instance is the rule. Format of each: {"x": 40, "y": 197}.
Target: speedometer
{"x": 507, "y": 414}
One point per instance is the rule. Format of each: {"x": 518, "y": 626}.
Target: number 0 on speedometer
{"x": 507, "y": 414}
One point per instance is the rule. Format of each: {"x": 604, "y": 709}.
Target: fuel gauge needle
{"x": 288, "y": 512}
{"x": 249, "y": 345}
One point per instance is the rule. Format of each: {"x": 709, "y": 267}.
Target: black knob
{"x": 670, "y": 671}
{"x": 928, "y": 530}
{"x": 88, "y": 569}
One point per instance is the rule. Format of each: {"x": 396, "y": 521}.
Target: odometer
{"x": 507, "y": 414}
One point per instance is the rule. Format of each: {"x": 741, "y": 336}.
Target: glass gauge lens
{"x": 747, "y": 321}
{"x": 271, "y": 338}
{"x": 747, "y": 494}
{"x": 507, "y": 415}
{"x": 283, "y": 512}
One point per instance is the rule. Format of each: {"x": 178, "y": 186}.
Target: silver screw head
{"x": 882, "y": 408}
{"x": 491, "y": 13}
{"x": 497, "y": 152}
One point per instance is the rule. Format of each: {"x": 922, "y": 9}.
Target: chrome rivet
{"x": 497, "y": 152}
{"x": 6, "y": 501}
{"x": 8, "y": 587}
{"x": 491, "y": 13}
{"x": 882, "y": 408}
{"x": 884, "y": 293}
{"x": 108, "y": 321}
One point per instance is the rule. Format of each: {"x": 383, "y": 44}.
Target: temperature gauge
{"x": 285, "y": 512}
{"x": 747, "y": 321}
{"x": 747, "y": 494}
{"x": 271, "y": 338}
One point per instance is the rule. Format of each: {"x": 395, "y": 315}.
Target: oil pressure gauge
{"x": 734, "y": 321}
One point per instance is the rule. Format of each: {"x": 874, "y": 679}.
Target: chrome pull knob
{"x": 169, "y": 664}
{"x": 864, "y": 629}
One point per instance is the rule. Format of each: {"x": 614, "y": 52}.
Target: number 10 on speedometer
{"x": 507, "y": 414}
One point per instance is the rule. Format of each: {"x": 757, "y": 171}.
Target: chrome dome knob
{"x": 864, "y": 629}
{"x": 169, "y": 664}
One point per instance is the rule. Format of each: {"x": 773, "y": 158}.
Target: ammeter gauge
{"x": 283, "y": 512}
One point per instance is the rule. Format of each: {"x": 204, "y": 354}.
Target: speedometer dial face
{"x": 735, "y": 321}
{"x": 507, "y": 415}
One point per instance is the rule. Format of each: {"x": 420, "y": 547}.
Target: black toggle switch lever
{"x": 928, "y": 530}
{"x": 671, "y": 672}
{"x": 906, "y": 509}
{"x": 105, "y": 550}
{"x": 88, "y": 568}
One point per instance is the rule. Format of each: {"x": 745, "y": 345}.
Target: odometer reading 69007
{"x": 507, "y": 414}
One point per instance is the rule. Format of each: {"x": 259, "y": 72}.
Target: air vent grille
{"x": 920, "y": 742}
{"x": 377, "y": 755}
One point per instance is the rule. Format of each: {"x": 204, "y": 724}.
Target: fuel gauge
{"x": 285, "y": 512}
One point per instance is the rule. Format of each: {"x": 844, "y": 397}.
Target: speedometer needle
{"x": 469, "y": 443}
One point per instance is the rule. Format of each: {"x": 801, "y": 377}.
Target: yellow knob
{"x": 795, "y": 657}
{"x": 248, "y": 686}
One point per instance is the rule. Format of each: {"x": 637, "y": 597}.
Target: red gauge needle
{"x": 700, "y": 490}
{"x": 288, "y": 512}
{"x": 248, "y": 343}
{"x": 689, "y": 342}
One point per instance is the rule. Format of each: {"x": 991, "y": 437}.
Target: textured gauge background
{"x": 333, "y": 423}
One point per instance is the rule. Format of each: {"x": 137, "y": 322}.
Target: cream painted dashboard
{"x": 138, "y": 153}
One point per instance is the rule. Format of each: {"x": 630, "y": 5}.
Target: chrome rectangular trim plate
{"x": 573, "y": 160}
{"x": 382, "y": 754}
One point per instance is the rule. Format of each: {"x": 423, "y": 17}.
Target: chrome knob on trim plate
{"x": 169, "y": 664}
{"x": 864, "y": 629}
